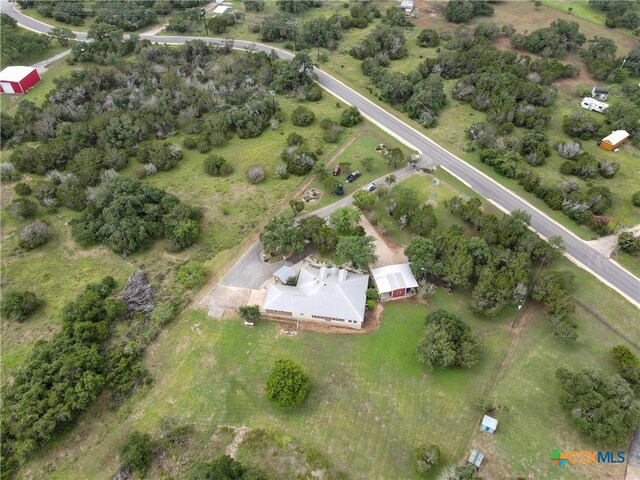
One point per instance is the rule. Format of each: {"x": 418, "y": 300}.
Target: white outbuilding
{"x": 489, "y": 424}
{"x": 394, "y": 281}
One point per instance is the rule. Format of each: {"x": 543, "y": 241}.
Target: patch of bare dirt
{"x": 232, "y": 449}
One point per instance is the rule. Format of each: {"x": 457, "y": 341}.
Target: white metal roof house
{"x": 222, "y": 9}
{"x": 394, "y": 281}
{"x": 324, "y": 295}
{"x": 284, "y": 273}
{"x": 489, "y": 424}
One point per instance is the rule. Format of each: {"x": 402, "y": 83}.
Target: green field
{"x": 370, "y": 401}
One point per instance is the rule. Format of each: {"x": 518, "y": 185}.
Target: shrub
{"x": 302, "y": 117}
{"x": 287, "y": 385}
{"x": 136, "y": 452}
{"x": 629, "y": 243}
{"x": 568, "y": 149}
{"x": 350, "y": 117}
{"x": 281, "y": 171}
{"x": 8, "y": 172}
{"x": 256, "y": 174}
{"x": 34, "y": 234}
{"x": 217, "y": 166}
{"x": 190, "y": 143}
{"x": 21, "y": 208}
{"x": 192, "y": 274}
{"x": 428, "y": 38}
{"x": 295, "y": 139}
{"x": 250, "y": 313}
{"x": 626, "y": 363}
{"x": 426, "y": 458}
{"x": 635, "y": 199}
{"x": 18, "y": 305}
{"x": 22, "y": 189}
{"x": 608, "y": 168}
{"x": 313, "y": 93}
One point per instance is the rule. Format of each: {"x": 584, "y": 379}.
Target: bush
{"x": 568, "y": 149}
{"x": 635, "y": 198}
{"x": 21, "y": 208}
{"x": 190, "y": 143}
{"x": 22, "y": 189}
{"x": 250, "y": 313}
{"x": 18, "y": 305}
{"x": 428, "y": 38}
{"x": 608, "y": 168}
{"x": 8, "y": 172}
{"x": 626, "y": 363}
{"x": 629, "y": 243}
{"x": 426, "y": 458}
{"x": 447, "y": 341}
{"x": 350, "y": 117}
{"x": 136, "y": 452}
{"x": 302, "y": 117}
{"x": 313, "y": 93}
{"x": 287, "y": 385}
{"x": 217, "y": 166}
{"x": 256, "y": 174}
{"x": 34, "y": 234}
{"x": 192, "y": 274}
{"x": 281, "y": 171}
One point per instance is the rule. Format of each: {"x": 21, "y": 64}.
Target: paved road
{"x": 576, "y": 249}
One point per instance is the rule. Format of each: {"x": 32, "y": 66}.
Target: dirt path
{"x": 232, "y": 449}
{"x": 388, "y": 254}
{"x": 607, "y": 245}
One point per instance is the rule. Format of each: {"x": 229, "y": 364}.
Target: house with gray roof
{"x": 324, "y": 295}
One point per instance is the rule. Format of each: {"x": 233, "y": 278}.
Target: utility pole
{"x": 204, "y": 20}
{"x": 515, "y": 319}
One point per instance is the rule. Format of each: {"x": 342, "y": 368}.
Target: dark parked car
{"x": 336, "y": 170}
{"x": 352, "y": 176}
{"x": 339, "y": 189}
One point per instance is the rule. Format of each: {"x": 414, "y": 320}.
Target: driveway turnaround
{"x": 577, "y": 250}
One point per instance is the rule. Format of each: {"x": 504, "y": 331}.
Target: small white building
{"x": 222, "y": 9}
{"x": 407, "y": 6}
{"x": 489, "y": 424}
{"x": 600, "y": 93}
{"x": 475, "y": 458}
{"x": 614, "y": 140}
{"x": 394, "y": 281}
{"x": 589, "y": 103}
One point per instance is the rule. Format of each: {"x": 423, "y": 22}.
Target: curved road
{"x": 577, "y": 250}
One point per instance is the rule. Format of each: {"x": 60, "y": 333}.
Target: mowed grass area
{"x": 234, "y": 210}
{"x": 370, "y": 402}
{"x": 582, "y": 9}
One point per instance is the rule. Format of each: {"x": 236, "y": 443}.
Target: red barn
{"x": 394, "y": 281}
{"x": 18, "y": 79}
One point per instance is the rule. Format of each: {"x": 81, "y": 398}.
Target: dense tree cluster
{"x": 447, "y": 341}
{"x": 72, "y": 365}
{"x": 619, "y": 14}
{"x": 604, "y": 408}
{"x": 383, "y": 43}
{"x": 629, "y": 243}
{"x": 287, "y": 384}
{"x": 462, "y": 11}
{"x": 17, "y": 43}
{"x": 561, "y": 38}
{"x": 127, "y": 215}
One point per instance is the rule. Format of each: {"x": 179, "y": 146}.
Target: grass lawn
{"x": 583, "y": 10}
{"x": 370, "y": 401}
{"x": 630, "y": 262}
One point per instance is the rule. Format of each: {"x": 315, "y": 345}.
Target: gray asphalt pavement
{"x": 581, "y": 253}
